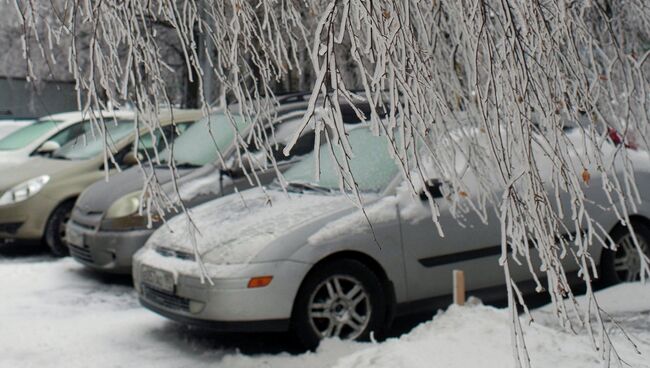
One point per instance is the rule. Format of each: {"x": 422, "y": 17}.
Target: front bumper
{"x": 227, "y": 304}
{"x": 276, "y": 325}
{"x": 108, "y": 251}
{"x": 25, "y": 220}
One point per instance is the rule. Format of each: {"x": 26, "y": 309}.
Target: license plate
{"x": 74, "y": 237}
{"x": 158, "y": 279}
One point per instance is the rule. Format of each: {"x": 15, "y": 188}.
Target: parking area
{"x": 55, "y": 313}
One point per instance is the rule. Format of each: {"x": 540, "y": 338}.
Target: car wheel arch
{"x": 607, "y": 275}
{"x": 636, "y": 220}
{"x": 369, "y": 262}
{"x": 66, "y": 200}
{"x": 48, "y": 237}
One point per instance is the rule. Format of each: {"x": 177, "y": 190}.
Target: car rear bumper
{"x": 227, "y": 301}
{"x": 107, "y": 251}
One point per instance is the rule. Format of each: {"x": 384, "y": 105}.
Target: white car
{"x": 7, "y": 126}
{"x": 46, "y": 135}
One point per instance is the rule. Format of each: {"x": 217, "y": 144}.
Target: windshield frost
{"x": 91, "y": 143}
{"x": 371, "y": 166}
{"x": 24, "y": 136}
{"x": 196, "y": 146}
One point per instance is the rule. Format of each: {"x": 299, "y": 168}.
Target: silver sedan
{"x": 308, "y": 260}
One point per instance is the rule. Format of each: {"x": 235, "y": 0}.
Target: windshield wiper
{"x": 308, "y": 186}
{"x": 187, "y": 165}
{"x": 183, "y": 165}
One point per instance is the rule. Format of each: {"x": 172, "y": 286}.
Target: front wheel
{"x": 343, "y": 299}
{"x": 55, "y": 229}
{"x": 624, "y": 263}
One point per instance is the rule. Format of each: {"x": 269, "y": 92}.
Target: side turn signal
{"x": 261, "y": 281}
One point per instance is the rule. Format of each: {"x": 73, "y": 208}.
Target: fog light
{"x": 261, "y": 281}
{"x": 196, "y": 307}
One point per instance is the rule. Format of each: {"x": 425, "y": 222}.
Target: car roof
{"x": 74, "y": 116}
{"x": 169, "y": 116}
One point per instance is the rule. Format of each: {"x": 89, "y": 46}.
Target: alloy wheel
{"x": 63, "y": 224}
{"x": 627, "y": 260}
{"x": 339, "y": 307}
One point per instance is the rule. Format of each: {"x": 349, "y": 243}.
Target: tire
{"x": 55, "y": 229}
{"x": 343, "y": 299}
{"x": 624, "y": 263}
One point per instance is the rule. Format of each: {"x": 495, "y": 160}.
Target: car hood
{"x": 102, "y": 194}
{"x": 235, "y": 228}
{"x": 37, "y": 166}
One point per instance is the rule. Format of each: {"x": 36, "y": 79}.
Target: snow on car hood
{"x": 233, "y": 229}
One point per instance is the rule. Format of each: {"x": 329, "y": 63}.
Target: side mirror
{"x": 237, "y": 169}
{"x": 48, "y": 147}
{"x": 433, "y": 186}
{"x": 132, "y": 158}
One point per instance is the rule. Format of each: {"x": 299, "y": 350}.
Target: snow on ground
{"x": 53, "y": 313}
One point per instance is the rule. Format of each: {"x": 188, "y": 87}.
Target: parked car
{"x": 308, "y": 260}
{"x": 47, "y": 135}
{"x": 8, "y": 125}
{"x": 36, "y": 201}
{"x": 107, "y": 227}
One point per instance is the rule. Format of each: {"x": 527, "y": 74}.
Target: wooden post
{"x": 459, "y": 287}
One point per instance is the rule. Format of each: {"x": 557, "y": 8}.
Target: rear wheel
{"x": 624, "y": 263}
{"x": 55, "y": 229}
{"x": 342, "y": 299}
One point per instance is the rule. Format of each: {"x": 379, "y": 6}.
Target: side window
{"x": 70, "y": 133}
{"x": 303, "y": 146}
{"x": 150, "y": 143}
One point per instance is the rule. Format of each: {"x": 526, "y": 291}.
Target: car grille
{"x": 166, "y": 299}
{"x": 168, "y": 252}
{"x": 84, "y": 226}
{"x": 81, "y": 253}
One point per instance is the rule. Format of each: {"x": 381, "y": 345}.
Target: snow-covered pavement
{"x": 53, "y": 313}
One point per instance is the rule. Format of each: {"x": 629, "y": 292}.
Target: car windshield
{"x": 91, "y": 143}
{"x": 21, "y": 138}
{"x": 201, "y": 143}
{"x": 371, "y": 165}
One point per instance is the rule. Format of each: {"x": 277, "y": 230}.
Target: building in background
{"x": 20, "y": 99}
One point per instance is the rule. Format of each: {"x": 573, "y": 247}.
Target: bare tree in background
{"x": 514, "y": 70}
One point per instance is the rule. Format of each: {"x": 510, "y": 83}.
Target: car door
{"x": 469, "y": 244}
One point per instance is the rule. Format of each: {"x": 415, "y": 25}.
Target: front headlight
{"x": 125, "y": 206}
{"x": 24, "y": 190}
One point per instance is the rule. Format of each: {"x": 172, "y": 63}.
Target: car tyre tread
{"x": 608, "y": 275}
{"x": 57, "y": 246}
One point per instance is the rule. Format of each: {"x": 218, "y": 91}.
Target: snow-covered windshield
{"x": 24, "y": 136}
{"x": 91, "y": 143}
{"x": 371, "y": 165}
{"x": 203, "y": 141}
